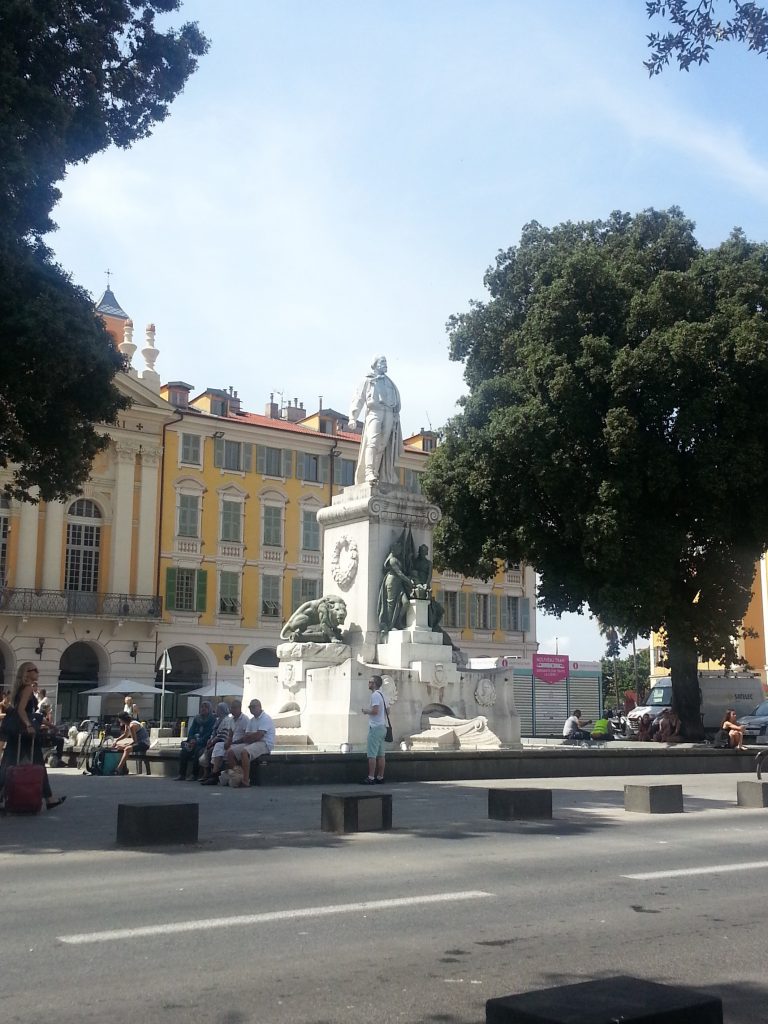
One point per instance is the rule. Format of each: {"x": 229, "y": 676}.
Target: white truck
{"x": 718, "y": 692}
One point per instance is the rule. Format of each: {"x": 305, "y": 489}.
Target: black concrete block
{"x": 752, "y": 794}
{"x": 157, "y": 824}
{"x": 605, "y": 1001}
{"x": 511, "y": 804}
{"x": 654, "y": 799}
{"x": 356, "y": 812}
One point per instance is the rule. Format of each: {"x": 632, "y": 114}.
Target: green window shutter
{"x": 247, "y": 458}
{"x": 201, "y": 586}
{"x": 261, "y": 459}
{"x": 473, "y": 611}
{"x": 287, "y": 463}
{"x": 299, "y": 465}
{"x": 170, "y": 589}
{"x": 325, "y": 468}
{"x": 295, "y": 593}
{"x": 492, "y": 602}
{"x": 462, "y": 609}
{"x": 504, "y": 609}
{"x": 525, "y": 615}
{"x": 218, "y": 451}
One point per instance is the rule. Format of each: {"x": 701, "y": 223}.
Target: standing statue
{"x": 395, "y": 591}
{"x": 382, "y": 438}
{"x": 421, "y": 574}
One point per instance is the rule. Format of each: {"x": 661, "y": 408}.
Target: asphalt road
{"x": 467, "y": 908}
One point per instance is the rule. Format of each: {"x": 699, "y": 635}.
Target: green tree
{"x": 75, "y": 77}
{"x": 698, "y": 28}
{"x": 615, "y": 433}
{"x": 628, "y": 673}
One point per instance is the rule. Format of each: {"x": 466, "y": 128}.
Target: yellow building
{"x": 79, "y": 577}
{"x": 241, "y": 547}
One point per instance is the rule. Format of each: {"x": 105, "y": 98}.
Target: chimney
{"x": 271, "y": 408}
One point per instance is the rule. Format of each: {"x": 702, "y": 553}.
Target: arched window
{"x": 83, "y": 546}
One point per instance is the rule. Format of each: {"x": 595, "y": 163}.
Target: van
{"x": 718, "y": 692}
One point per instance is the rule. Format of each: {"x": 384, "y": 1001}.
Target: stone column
{"x": 150, "y": 473}
{"x": 54, "y": 541}
{"x": 27, "y": 549}
{"x": 122, "y": 520}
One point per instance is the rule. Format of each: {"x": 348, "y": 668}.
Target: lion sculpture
{"x": 317, "y": 621}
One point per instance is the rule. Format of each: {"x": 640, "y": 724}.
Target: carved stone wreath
{"x": 344, "y": 562}
{"x": 485, "y": 693}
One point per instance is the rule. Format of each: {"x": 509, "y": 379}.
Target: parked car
{"x": 756, "y": 724}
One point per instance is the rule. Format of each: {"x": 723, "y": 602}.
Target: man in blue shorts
{"x": 377, "y": 727}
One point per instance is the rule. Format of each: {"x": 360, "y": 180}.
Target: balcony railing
{"x": 23, "y": 601}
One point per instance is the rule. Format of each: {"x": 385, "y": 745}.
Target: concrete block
{"x": 625, "y": 999}
{"x": 520, "y": 804}
{"x": 157, "y": 824}
{"x": 356, "y": 812}
{"x": 752, "y": 794}
{"x": 653, "y": 799}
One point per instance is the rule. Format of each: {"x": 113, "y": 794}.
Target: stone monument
{"x": 377, "y": 616}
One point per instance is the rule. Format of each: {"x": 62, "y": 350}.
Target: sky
{"x": 337, "y": 176}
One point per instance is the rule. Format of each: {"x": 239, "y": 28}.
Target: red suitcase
{"x": 24, "y": 788}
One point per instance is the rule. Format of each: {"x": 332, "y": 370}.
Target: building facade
{"x": 197, "y": 534}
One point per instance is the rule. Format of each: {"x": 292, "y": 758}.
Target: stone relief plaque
{"x": 344, "y": 561}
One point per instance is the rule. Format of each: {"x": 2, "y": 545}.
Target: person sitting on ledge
{"x": 192, "y": 747}
{"x": 134, "y": 739}
{"x": 259, "y": 739}
{"x": 221, "y": 727}
{"x": 238, "y": 727}
{"x": 601, "y": 730}
{"x": 574, "y": 727}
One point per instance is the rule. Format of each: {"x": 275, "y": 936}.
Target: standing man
{"x": 259, "y": 739}
{"x": 382, "y": 439}
{"x": 377, "y": 727}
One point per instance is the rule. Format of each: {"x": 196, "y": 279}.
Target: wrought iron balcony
{"x": 68, "y": 603}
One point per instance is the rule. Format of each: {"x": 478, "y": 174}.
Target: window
{"x": 315, "y": 468}
{"x": 515, "y": 614}
{"x": 303, "y": 590}
{"x": 274, "y": 461}
{"x": 273, "y": 526}
{"x": 481, "y": 617}
{"x": 347, "y": 469}
{"x": 231, "y": 521}
{"x": 81, "y": 571}
{"x": 218, "y": 407}
{"x": 270, "y": 597}
{"x": 229, "y": 593}
{"x": 429, "y": 444}
{"x": 185, "y": 589}
{"x": 450, "y": 609}
{"x": 233, "y": 456}
{"x": 412, "y": 481}
{"x": 310, "y": 530}
{"x": 189, "y": 515}
{"x": 190, "y": 449}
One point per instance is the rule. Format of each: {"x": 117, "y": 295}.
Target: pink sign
{"x": 550, "y": 668}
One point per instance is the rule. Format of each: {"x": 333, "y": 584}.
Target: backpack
{"x": 722, "y": 739}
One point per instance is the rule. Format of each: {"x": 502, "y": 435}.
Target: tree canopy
{"x": 698, "y": 28}
{"x": 75, "y": 77}
{"x": 615, "y": 434}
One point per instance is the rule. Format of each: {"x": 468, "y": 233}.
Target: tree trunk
{"x": 684, "y": 669}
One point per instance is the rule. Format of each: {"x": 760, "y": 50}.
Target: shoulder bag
{"x": 388, "y": 735}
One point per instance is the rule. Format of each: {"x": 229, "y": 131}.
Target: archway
{"x": 265, "y": 657}
{"x": 435, "y": 711}
{"x": 188, "y": 672}
{"x": 78, "y": 671}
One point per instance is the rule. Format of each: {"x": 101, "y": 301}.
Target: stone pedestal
{"x": 654, "y": 799}
{"x": 752, "y": 794}
{"x": 519, "y": 804}
{"x": 157, "y": 824}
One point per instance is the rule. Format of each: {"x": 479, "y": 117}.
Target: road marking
{"x": 715, "y": 869}
{"x": 277, "y": 915}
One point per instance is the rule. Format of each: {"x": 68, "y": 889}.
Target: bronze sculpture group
{"x": 407, "y": 575}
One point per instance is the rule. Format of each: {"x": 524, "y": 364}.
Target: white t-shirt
{"x": 377, "y": 716}
{"x": 571, "y": 726}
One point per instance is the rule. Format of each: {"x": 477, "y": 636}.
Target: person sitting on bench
{"x": 134, "y": 739}
{"x": 257, "y": 741}
{"x": 574, "y": 727}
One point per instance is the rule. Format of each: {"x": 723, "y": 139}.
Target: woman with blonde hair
{"x": 22, "y": 745}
